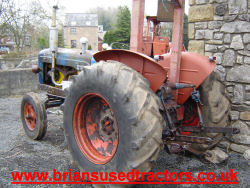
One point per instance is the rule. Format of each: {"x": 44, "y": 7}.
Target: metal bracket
{"x": 52, "y": 90}
{"x": 191, "y": 139}
{"x": 210, "y": 129}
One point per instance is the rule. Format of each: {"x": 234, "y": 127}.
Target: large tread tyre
{"x": 34, "y": 116}
{"x": 135, "y": 107}
{"x": 215, "y": 109}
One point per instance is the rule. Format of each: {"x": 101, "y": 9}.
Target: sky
{"x": 82, "y": 6}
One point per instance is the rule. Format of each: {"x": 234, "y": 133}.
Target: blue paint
{"x": 92, "y": 60}
{"x": 40, "y": 64}
{"x": 62, "y": 59}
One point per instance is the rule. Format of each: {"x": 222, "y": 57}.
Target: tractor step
{"x": 211, "y": 130}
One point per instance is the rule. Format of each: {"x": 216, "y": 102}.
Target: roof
{"x": 80, "y": 19}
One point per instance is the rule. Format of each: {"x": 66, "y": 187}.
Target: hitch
{"x": 175, "y": 142}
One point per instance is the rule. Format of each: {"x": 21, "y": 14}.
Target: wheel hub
{"x": 107, "y": 129}
{"x": 30, "y": 116}
{"x": 95, "y": 128}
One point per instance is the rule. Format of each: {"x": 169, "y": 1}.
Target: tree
{"x": 121, "y": 32}
{"x": 89, "y": 47}
{"x": 21, "y": 18}
{"x": 4, "y": 7}
{"x": 42, "y": 42}
{"x": 106, "y": 17}
{"x": 123, "y": 25}
{"x": 109, "y": 37}
{"x": 40, "y": 37}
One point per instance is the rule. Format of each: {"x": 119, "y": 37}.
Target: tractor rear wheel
{"x": 112, "y": 121}
{"x": 215, "y": 109}
{"x": 33, "y": 115}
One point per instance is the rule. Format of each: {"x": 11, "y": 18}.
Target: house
{"x": 7, "y": 41}
{"x": 79, "y": 25}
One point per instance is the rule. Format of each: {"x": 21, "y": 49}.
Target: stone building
{"x": 221, "y": 28}
{"x": 79, "y": 25}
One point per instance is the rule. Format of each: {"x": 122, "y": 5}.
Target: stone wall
{"x": 221, "y": 28}
{"x": 13, "y": 63}
{"x": 17, "y": 82}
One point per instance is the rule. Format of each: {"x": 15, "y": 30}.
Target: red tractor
{"x": 121, "y": 110}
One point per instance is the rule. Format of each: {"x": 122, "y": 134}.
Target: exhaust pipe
{"x": 53, "y": 35}
{"x": 53, "y": 41}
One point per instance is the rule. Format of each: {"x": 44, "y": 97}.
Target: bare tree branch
{"x": 19, "y": 20}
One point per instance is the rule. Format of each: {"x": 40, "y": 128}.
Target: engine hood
{"x": 67, "y": 57}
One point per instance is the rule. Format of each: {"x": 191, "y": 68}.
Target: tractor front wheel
{"x": 33, "y": 115}
{"x": 112, "y": 121}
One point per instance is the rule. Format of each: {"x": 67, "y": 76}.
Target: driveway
{"x": 19, "y": 153}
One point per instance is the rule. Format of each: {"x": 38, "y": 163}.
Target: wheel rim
{"x": 95, "y": 128}
{"x": 29, "y": 116}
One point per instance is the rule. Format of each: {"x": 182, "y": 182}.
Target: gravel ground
{"x": 19, "y": 153}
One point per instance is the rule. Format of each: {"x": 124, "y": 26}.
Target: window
{"x": 100, "y": 28}
{"x": 73, "y": 30}
{"x": 73, "y": 43}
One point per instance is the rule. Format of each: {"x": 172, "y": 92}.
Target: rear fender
{"x": 194, "y": 70}
{"x": 145, "y": 65}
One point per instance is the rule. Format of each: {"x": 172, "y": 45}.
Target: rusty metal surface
{"x": 52, "y": 90}
{"x": 194, "y": 69}
{"x": 175, "y": 140}
{"x": 177, "y": 43}
{"x": 35, "y": 69}
{"x": 147, "y": 46}
{"x": 191, "y": 139}
{"x": 160, "y": 45}
{"x": 155, "y": 24}
{"x": 137, "y": 23}
{"x": 174, "y": 147}
{"x": 53, "y": 101}
{"x": 96, "y": 133}
{"x": 210, "y": 129}
{"x": 148, "y": 27}
{"x": 178, "y": 147}
{"x": 66, "y": 72}
{"x": 165, "y": 13}
{"x": 143, "y": 64}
